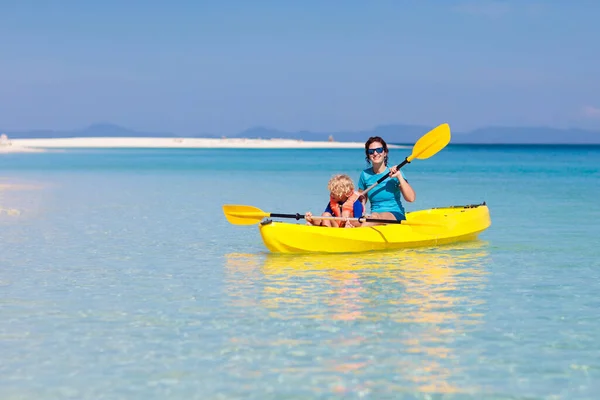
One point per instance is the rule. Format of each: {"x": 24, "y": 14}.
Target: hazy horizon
{"x": 111, "y": 125}
{"x": 393, "y": 133}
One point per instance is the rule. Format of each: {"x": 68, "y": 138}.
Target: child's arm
{"x": 357, "y": 209}
{"x": 310, "y": 220}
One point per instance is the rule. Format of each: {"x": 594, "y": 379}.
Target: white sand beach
{"x": 16, "y": 145}
{"x": 6, "y": 146}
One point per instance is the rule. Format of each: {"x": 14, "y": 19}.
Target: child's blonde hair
{"x": 340, "y": 185}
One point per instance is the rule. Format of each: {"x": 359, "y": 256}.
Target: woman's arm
{"x": 407, "y": 191}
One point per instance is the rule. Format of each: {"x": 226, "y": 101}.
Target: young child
{"x": 343, "y": 202}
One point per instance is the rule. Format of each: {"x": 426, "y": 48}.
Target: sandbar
{"x": 200, "y": 143}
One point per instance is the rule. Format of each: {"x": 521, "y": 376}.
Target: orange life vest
{"x": 347, "y": 206}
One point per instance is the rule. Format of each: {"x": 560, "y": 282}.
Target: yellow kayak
{"x": 430, "y": 227}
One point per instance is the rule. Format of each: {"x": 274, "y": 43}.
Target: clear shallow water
{"x": 121, "y": 278}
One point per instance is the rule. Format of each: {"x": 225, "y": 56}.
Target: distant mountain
{"x": 95, "y": 130}
{"x": 528, "y": 135}
{"x": 400, "y": 134}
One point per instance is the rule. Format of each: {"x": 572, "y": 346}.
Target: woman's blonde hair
{"x": 340, "y": 185}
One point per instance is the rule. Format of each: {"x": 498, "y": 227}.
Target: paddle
{"x": 249, "y": 215}
{"x": 428, "y": 145}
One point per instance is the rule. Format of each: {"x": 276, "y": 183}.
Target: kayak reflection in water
{"x": 343, "y": 203}
{"x": 386, "y": 197}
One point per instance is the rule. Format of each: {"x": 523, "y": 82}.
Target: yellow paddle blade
{"x": 432, "y": 142}
{"x": 243, "y": 215}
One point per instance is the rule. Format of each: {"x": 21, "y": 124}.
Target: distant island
{"x": 399, "y": 134}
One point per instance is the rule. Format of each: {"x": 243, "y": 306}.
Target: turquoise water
{"x": 121, "y": 278}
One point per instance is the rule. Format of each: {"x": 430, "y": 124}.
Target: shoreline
{"x": 36, "y": 145}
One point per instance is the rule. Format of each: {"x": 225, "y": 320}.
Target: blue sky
{"x": 222, "y": 67}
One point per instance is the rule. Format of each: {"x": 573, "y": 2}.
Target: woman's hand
{"x": 395, "y": 173}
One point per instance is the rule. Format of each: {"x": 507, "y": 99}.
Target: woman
{"x": 385, "y": 198}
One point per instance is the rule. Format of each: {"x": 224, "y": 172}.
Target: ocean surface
{"x": 120, "y": 278}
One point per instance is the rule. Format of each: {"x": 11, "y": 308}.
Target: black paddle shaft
{"x": 298, "y": 217}
{"x": 361, "y": 219}
{"x": 402, "y": 164}
{"x": 295, "y": 216}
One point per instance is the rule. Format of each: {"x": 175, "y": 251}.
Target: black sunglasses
{"x": 379, "y": 150}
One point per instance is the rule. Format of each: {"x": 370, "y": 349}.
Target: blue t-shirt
{"x": 357, "y": 209}
{"x": 386, "y": 196}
